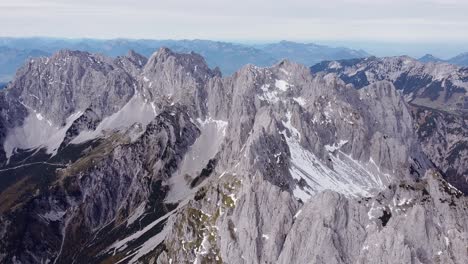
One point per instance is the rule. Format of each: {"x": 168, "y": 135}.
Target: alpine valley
{"x": 164, "y": 160}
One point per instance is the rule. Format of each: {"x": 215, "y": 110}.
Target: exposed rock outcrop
{"x": 166, "y": 161}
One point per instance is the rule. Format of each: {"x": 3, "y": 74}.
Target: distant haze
{"x": 443, "y": 50}
{"x": 395, "y": 21}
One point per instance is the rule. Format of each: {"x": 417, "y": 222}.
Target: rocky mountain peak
{"x": 289, "y": 67}
{"x": 64, "y": 53}
{"x": 464, "y": 54}
{"x": 461, "y": 59}
{"x": 137, "y": 58}
{"x": 429, "y": 58}
{"x": 133, "y": 54}
{"x": 178, "y": 77}
{"x": 172, "y": 163}
{"x": 161, "y": 54}
{"x": 191, "y": 62}
{"x": 76, "y": 79}
{"x": 67, "y": 58}
{"x": 132, "y": 63}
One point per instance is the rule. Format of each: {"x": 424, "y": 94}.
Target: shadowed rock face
{"x": 166, "y": 161}
{"x": 440, "y": 86}
{"x": 437, "y": 93}
{"x": 443, "y": 138}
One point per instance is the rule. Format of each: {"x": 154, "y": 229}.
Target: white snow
{"x": 348, "y": 176}
{"x": 204, "y": 246}
{"x": 269, "y": 96}
{"x": 39, "y": 117}
{"x": 222, "y": 174}
{"x": 334, "y": 65}
{"x": 135, "y": 111}
{"x": 221, "y": 125}
{"x": 205, "y": 148}
{"x": 282, "y": 85}
{"x": 34, "y": 96}
{"x": 294, "y": 132}
{"x": 139, "y": 211}
{"x": 153, "y": 106}
{"x": 36, "y": 132}
{"x": 277, "y": 157}
{"x": 301, "y": 101}
{"x": 404, "y": 201}
{"x": 272, "y": 95}
{"x": 453, "y": 187}
{"x": 149, "y": 245}
{"x": 318, "y": 176}
{"x": 407, "y": 62}
{"x": 233, "y": 198}
{"x": 332, "y": 148}
{"x": 53, "y": 215}
{"x": 408, "y": 97}
{"x": 375, "y": 211}
{"x": 297, "y": 214}
{"x": 122, "y": 244}
{"x": 285, "y": 71}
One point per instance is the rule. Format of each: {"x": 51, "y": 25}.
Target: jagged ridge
{"x": 192, "y": 166}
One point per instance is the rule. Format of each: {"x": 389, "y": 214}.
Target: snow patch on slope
{"x": 139, "y": 211}
{"x": 332, "y": 148}
{"x": 300, "y": 100}
{"x": 282, "y": 85}
{"x": 121, "y": 245}
{"x": 212, "y": 133}
{"x": 37, "y": 131}
{"x": 334, "y": 65}
{"x": 53, "y": 215}
{"x": 137, "y": 110}
{"x": 149, "y": 245}
{"x": 269, "y": 96}
{"x": 346, "y": 175}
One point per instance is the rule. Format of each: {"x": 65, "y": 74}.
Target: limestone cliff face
{"x": 443, "y": 138}
{"x": 61, "y": 85}
{"x": 166, "y": 161}
{"x": 438, "y": 95}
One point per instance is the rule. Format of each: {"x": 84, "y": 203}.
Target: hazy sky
{"x": 407, "y": 21}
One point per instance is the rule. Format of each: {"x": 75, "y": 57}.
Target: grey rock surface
{"x": 440, "y": 86}
{"x": 70, "y": 81}
{"x": 382, "y": 229}
{"x": 181, "y": 165}
{"x": 443, "y": 138}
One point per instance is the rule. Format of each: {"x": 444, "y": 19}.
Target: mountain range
{"x": 436, "y": 85}
{"x": 12, "y": 58}
{"x": 460, "y": 60}
{"x": 162, "y": 159}
{"x": 227, "y": 56}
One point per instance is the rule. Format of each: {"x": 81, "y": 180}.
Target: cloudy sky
{"x": 403, "y": 21}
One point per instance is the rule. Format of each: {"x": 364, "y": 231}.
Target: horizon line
{"x": 240, "y": 41}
